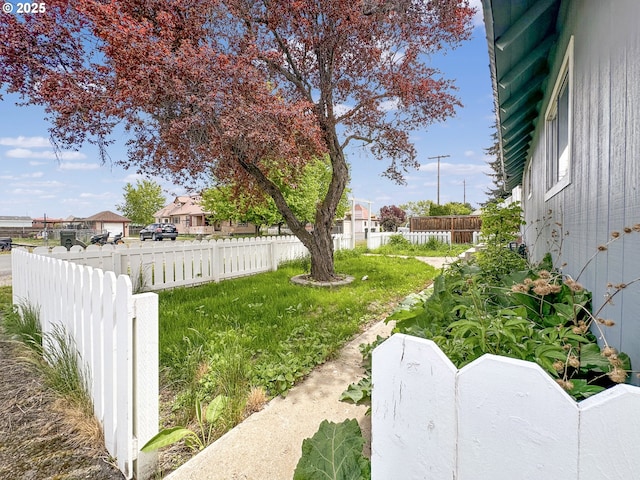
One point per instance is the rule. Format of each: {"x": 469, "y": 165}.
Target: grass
{"x": 54, "y": 354}
{"x": 263, "y": 332}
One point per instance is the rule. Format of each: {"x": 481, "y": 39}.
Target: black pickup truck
{"x": 5, "y": 243}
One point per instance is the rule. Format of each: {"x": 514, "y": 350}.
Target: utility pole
{"x": 464, "y": 191}
{"x": 439, "y": 157}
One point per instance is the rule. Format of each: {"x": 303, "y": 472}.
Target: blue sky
{"x": 35, "y": 182}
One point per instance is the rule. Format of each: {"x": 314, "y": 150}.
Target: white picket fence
{"x": 116, "y": 336}
{"x": 378, "y": 239}
{"x": 497, "y": 418}
{"x": 160, "y": 265}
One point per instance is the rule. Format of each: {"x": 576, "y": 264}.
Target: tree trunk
{"x": 321, "y": 250}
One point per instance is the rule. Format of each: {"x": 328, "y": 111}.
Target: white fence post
{"x": 146, "y": 414}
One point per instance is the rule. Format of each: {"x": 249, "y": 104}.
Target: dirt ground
{"x": 40, "y": 438}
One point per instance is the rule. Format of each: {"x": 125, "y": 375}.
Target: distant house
{"x": 364, "y": 222}
{"x": 108, "y": 222}
{"x": 15, "y": 222}
{"x": 187, "y": 214}
{"x": 566, "y": 79}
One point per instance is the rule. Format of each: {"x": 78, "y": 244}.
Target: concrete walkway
{"x": 268, "y": 444}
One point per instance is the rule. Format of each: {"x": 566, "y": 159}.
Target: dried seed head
{"x": 574, "y": 361}
{"x": 519, "y": 288}
{"x": 617, "y": 375}
{"x": 542, "y": 290}
{"x": 527, "y": 281}
{"x": 620, "y": 286}
{"x": 636, "y": 227}
{"x": 615, "y": 361}
{"x": 609, "y": 323}
{"x": 555, "y": 288}
{"x": 615, "y": 234}
{"x": 627, "y": 230}
{"x": 602, "y": 248}
{"x": 544, "y": 274}
{"x": 558, "y": 366}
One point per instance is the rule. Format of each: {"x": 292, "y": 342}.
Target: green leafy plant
{"x": 334, "y": 453}
{"x": 206, "y": 418}
{"x": 536, "y": 314}
{"x": 500, "y": 226}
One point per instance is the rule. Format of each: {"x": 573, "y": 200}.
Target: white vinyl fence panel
{"x": 378, "y": 239}
{"x": 495, "y": 419}
{"x": 116, "y": 336}
{"x": 161, "y": 265}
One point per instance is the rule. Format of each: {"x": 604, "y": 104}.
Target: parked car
{"x": 159, "y": 231}
{"x": 5, "y": 243}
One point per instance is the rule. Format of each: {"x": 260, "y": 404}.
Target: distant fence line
{"x": 160, "y": 265}
{"x": 496, "y": 418}
{"x": 377, "y": 240}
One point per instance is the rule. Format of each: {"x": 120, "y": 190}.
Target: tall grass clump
{"x": 54, "y": 354}
{"x": 22, "y": 322}
{"x": 63, "y": 371}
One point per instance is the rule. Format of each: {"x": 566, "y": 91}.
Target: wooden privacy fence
{"x": 116, "y": 336}
{"x": 495, "y": 419}
{"x": 162, "y": 265}
{"x": 460, "y": 226}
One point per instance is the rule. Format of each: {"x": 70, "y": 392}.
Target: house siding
{"x": 603, "y": 195}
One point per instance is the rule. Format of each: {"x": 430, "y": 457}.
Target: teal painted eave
{"x": 521, "y": 36}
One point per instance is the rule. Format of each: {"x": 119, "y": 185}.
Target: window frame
{"x": 564, "y": 83}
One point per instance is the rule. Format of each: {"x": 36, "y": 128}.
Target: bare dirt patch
{"x": 41, "y": 438}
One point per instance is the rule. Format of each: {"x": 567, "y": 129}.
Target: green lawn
{"x": 263, "y": 331}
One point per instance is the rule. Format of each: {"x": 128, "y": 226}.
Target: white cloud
{"x": 26, "y": 191}
{"x": 455, "y": 168}
{"x": 95, "y": 195}
{"x": 340, "y": 109}
{"x": 389, "y": 105}
{"x": 78, "y": 166}
{"x": 478, "y": 19}
{"x": 25, "y": 142}
{"x": 469, "y": 153}
{"x": 46, "y": 184}
{"x": 36, "y": 164}
{"x": 45, "y": 154}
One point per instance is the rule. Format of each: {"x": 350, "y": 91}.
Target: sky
{"x": 34, "y": 182}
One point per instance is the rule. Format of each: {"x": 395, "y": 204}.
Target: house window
{"x": 558, "y": 123}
